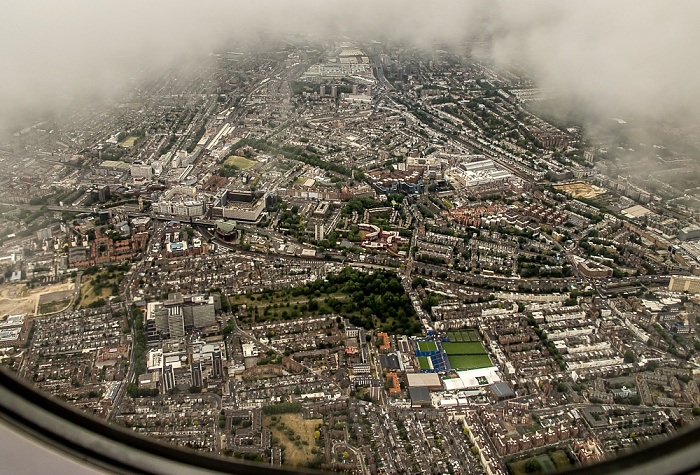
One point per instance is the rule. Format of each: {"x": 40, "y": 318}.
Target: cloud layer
{"x": 632, "y": 56}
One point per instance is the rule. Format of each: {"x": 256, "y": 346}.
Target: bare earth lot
{"x": 17, "y": 298}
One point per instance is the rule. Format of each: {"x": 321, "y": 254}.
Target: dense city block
{"x": 355, "y": 256}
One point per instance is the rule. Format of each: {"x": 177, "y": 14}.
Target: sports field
{"x": 461, "y": 336}
{"x": 241, "y": 163}
{"x": 424, "y": 362}
{"x": 129, "y": 141}
{"x": 581, "y": 190}
{"x": 464, "y": 362}
{"x": 427, "y": 346}
{"x": 471, "y": 348}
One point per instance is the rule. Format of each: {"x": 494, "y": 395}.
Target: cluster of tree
{"x": 97, "y": 303}
{"x": 330, "y": 242}
{"x": 380, "y": 219}
{"x": 139, "y": 344}
{"x": 112, "y": 153}
{"x": 270, "y": 358}
{"x": 429, "y": 302}
{"x": 379, "y": 295}
{"x": 134, "y": 391}
{"x": 290, "y": 219}
{"x": 425, "y": 211}
{"x": 436, "y": 261}
{"x": 443, "y": 100}
{"x": 228, "y": 171}
{"x": 299, "y": 87}
{"x": 282, "y": 408}
{"x": 297, "y": 153}
{"x": 276, "y": 203}
{"x": 166, "y": 148}
{"x": 549, "y": 344}
{"x": 354, "y": 234}
{"x": 360, "y": 205}
{"x": 598, "y": 248}
{"x": 533, "y": 270}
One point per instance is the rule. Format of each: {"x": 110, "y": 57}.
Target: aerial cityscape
{"x": 357, "y": 254}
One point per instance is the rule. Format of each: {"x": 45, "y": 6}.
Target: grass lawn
{"x": 129, "y": 141}
{"x": 518, "y": 468}
{"x": 455, "y": 337}
{"x": 241, "y": 163}
{"x": 561, "y": 460}
{"x": 54, "y": 306}
{"x": 463, "y": 362}
{"x": 280, "y": 306}
{"x": 301, "y": 180}
{"x": 89, "y": 292}
{"x": 424, "y": 362}
{"x": 547, "y": 464}
{"x": 470, "y": 348}
{"x": 293, "y": 431}
{"x": 91, "y": 296}
{"x": 427, "y": 346}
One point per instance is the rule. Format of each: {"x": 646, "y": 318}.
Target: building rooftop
{"x": 423, "y": 380}
{"x": 502, "y": 390}
{"x": 419, "y": 396}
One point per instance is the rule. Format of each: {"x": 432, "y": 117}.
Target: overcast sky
{"x": 631, "y": 55}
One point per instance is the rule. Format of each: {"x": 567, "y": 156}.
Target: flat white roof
{"x": 416, "y": 380}
{"x": 468, "y": 379}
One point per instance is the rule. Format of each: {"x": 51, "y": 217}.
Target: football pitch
{"x": 427, "y": 346}
{"x": 424, "y": 362}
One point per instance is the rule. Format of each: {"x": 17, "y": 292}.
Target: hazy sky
{"x": 635, "y": 55}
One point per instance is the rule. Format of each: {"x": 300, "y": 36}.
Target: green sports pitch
{"x": 466, "y": 362}
{"x": 470, "y": 348}
{"x": 241, "y": 163}
{"x": 461, "y": 336}
{"x": 427, "y": 346}
{"x": 424, "y": 362}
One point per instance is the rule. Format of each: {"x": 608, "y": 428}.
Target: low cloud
{"x": 635, "y": 57}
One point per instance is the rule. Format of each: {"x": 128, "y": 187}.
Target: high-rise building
{"x": 168, "y": 378}
{"x": 160, "y": 314}
{"x": 218, "y": 364}
{"x": 319, "y": 232}
{"x": 197, "y": 380}
{"x": 203, "y": 315}
{"x": 176, "y": 322}
{"x": 199, "y": 311}
{"x": 180, "y": 313}
{"x": 103, "y": 194}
